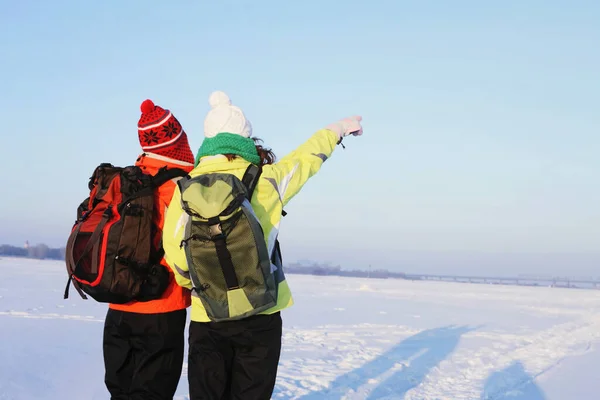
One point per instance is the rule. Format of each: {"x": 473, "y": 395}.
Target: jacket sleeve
{"x": 173, "y": 231}
{"x": 295, "y": 169}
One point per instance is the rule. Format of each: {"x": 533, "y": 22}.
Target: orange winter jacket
{"x": 175, "y": 297}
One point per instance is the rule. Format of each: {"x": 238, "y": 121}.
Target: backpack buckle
{"x": 215, "y": 230}
{"x": 108, "y": 213}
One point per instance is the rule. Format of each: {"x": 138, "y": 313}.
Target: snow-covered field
{"x": 345, "y": 338}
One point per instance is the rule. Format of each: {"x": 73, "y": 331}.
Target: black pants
{"x": 143, "y": 354}
{"x": 235, "y": 359}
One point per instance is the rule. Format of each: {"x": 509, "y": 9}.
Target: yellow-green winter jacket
{"x": 277, "y": 185}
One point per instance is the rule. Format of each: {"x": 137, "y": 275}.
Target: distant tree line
{"x": 38, "y": 251}
{"x": 328, "y": 270}
{"x": 42, "y": 251}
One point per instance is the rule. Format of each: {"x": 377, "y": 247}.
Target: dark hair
{"x": 266, "y": 155}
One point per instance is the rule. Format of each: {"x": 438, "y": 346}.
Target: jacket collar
{"x": 156, "y": 161}
{"x": 219, "y": 163}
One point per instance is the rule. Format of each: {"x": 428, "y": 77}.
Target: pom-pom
{"x": 218, "y": 99}
{"x": 147, "y": 106}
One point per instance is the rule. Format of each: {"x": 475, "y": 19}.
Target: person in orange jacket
{"x": 143, "y": 341}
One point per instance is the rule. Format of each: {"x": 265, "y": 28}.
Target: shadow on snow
{"x": 399, "y": 369}
{"x": 512, "y": 383}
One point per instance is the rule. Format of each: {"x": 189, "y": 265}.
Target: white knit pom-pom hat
{"x": 225, "y": 117}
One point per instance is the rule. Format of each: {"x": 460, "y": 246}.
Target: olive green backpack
{"x": 228, "y": 259}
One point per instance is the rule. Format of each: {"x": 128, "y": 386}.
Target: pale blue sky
{"x": 481, "y": 120}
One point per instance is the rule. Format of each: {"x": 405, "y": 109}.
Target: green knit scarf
{"x": 229, "y": 143}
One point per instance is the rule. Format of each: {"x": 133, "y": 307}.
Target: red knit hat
{"x": 160, "y": 133}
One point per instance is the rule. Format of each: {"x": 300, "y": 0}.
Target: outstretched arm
{"x": 296, "y": 168}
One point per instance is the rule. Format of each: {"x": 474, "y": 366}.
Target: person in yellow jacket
{"x": 238, "y": 359}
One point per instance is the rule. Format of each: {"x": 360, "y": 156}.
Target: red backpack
{"x": 111, "y": 251}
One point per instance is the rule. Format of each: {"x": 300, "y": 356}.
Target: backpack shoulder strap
{"x": 164, "y": 175}
{"x": 250, "y": 178}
